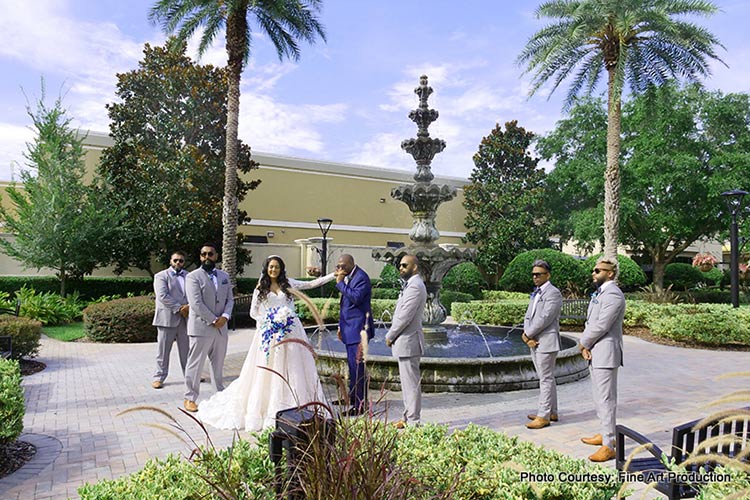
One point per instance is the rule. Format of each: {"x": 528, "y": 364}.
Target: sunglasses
{"x": 178, "y": 260}
{"x": 207, "y": 254}
{"x": 598, "y": 270}
{"x": 403, "y": 265}
{"x": 536, "y": 275}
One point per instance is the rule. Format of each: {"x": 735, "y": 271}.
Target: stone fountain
{"x": 423, "y": 198}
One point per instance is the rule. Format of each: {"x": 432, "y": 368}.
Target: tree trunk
{"x": 236, "y": 48}
{"x": 612, "y": 172}
{"x": 63, "y": 283}
{"x": 658, "y": 277}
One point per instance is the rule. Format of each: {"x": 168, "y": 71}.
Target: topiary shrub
{"x": 25, "y": 335}
{"x": 12, "y": 405}
{"x": 567, "y": 272}
{"x": 390, "y": 277}
{"x": 122, "y": 320}
{"x": 630, "y": 278}
{"x": 448, "y": 297}
{"x": 712, "y": 277}
{"x": 466, "y": 278}
{"x": 507, "y": 312}
{"x": 682, "y": 276}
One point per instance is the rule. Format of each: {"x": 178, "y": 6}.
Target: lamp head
{"x": 324, "y": 225}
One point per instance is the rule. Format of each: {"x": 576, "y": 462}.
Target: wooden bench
{"x": 686, "y": 439}
{"x": 241, "y": 309}
{"x": 574, "y": 309}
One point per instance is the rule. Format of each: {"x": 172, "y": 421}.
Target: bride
{"x": 251, "y": 401}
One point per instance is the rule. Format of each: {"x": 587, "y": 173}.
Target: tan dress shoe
{"x": 552, "y": 417}
{"x": 156, "y": 384}
{"x": 595, "y": 440}
{"x": 191, "y": 406}
{"x": 603, "y": 454}
{"x": 538, "y": 423}
{"x": 400, "y": 424}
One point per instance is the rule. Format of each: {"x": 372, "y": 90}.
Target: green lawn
{"x": 66, "y": 333}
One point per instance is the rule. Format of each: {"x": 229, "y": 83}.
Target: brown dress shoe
{"x": 595, "y": 440}
{"x": 552, "y": 417}
{"x": 156, "y": 384}
{"x": 603, "y": 454}
{"x": 191, "y": 406}
{"x": 400, "y": 424}
{"x": 538, "y": 423}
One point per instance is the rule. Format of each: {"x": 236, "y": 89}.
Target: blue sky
{"x": 346, "y": 100}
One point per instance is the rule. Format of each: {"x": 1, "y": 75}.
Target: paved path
{"x": 72, "y": 408}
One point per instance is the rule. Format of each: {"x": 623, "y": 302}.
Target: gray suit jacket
{"x": 406, "y": 328}
{"x": 603, "y": 333}
{"x": 544, "y": 324}
{"x": 206, "y": 302}
{"x": 169, "y": 298}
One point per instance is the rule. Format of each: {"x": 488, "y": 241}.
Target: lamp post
{"x": 324, "y": 225}
{"x": 734, "y": 200}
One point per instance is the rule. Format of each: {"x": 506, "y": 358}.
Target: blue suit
{"x": 354, "y": 311}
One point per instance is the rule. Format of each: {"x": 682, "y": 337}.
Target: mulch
{"x": 14, "y": 455}
{"x": 30, "y": 367}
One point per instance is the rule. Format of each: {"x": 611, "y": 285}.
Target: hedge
{"x": 330, "y": 309}
{"x": 474, "y": 462}
{"x": 389, "y": 277}
{"x": 630, "y": 277}
{"x": 709, "y": 329}
{"x": 682, "y": 276}
{"x": 89, "y": 288}
{"x": 567, "y": 272}
{"x": 465, "y": 278}
{"x": 385, "y": 293}
{"x": 495, "y": 295}
{"x": 12, "y": 405}
{"x": 507, "y": 312}
{"x": 25, "y": 335}
{"x": 448, "y": 297}
{"x": 122, "y": 320}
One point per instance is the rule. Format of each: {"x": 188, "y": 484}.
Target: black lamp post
{"x": 324, "y": 225}
{"x": 734, "y": 200}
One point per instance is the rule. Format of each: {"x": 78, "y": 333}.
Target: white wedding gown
{"x": 251, "y": 401}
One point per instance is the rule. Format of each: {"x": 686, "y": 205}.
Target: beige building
{"x": 294, "y": 193}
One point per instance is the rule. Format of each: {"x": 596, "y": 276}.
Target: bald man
{"x": 406, "y": 339}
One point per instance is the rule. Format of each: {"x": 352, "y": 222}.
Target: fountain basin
{"x": 463, "y": 373}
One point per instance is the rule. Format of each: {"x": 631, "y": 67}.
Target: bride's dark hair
{"x": 264, "y": 285}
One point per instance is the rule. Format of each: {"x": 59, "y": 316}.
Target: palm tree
{"x": 639, "y": 41}
{"x": 283, "y": 21}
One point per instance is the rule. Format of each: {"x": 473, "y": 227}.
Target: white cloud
{"x": 13, "y": 139}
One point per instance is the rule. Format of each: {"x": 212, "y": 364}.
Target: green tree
{"x": 682, "y": 147}
{"x": 55, "y": 218}
{"x": 505, "y": 209}
{"x": 640, "y": 42}
{"x": 166, "y": 166}
{"x": 283, "y": 21}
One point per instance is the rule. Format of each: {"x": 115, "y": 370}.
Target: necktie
{"x": 535, "y": 292}
{"x": 596, "y": 293}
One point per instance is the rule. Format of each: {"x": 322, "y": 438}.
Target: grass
{"x": 65, "y": 333}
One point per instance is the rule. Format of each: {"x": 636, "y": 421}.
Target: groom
{"x": 356, "y": 315}
{"x": 209, "y": 293}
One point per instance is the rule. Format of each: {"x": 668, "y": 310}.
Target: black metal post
{"x": 734, "y": 265}
{"x": 734, "y": 198}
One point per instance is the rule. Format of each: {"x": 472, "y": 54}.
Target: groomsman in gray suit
{"x": 170, "y": 316}
{"x": 601, "y": 345}
{"x": 541, "y": 332}
{"x": 406, "y": 339}
{"x": 209, "y": 293}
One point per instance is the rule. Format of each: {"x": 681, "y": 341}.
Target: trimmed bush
{"x": 25, "y": 335}
{"x": 448, "y": 297}
{"x": 385, "y": 293}
{"x": 508, "y": 312}
{"x": 631, "y": 277}
{"x": 712, "y": 277}
{"x": 466, "y": 278}
{"x": 390, "y": 277}
{"x": 495, "y": 295}
{"x": 708, "y": 329}
{"x": 88, "y": 289}
{"x": 244, "y": 285}
{"x": 122, "y": 320}
{"x": 12, "y": 405}
{"x": 682, "y": 276}
{"x": 642, "y": 313}
{"x": 567, "y": 272}
{"x": 711, "y": 296}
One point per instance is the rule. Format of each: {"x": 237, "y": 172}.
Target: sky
{"x": 346, "y": 100}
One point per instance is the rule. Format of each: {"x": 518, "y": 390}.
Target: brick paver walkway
{"x": 72, "y": 408}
